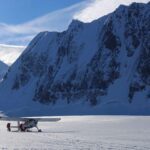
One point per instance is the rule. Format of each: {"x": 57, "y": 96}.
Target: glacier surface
{"x": 83, "y": 132}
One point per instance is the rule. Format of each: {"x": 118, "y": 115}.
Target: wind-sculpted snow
{"x": 105, "y": 62}
{"x": 82, "y": 132}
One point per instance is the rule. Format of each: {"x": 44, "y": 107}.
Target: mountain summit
{"x": 100, "y": 67}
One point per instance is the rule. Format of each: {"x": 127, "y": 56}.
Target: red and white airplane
{"x": 26, "y": 123}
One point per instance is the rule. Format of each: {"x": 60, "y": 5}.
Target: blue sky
{"x": 22, "y": 20}
{"x": 20, "y": 11}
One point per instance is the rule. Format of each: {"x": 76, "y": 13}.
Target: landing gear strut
{"x": 39, "y": 130}
{"x": 9, "y": 127}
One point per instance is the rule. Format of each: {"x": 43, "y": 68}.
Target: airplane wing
{"x": 45, "y": 119}
{"x": 40, "y": 119}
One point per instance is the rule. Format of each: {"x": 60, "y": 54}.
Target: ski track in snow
{"x": 82, "y": 133}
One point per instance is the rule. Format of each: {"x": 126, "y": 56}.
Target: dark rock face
{"x": 84, "y": 61}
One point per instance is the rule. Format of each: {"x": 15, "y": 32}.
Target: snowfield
{"x": 83, "y": 133}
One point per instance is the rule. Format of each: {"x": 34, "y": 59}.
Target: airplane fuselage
{"x": 30, "y": 123}
{"x": 25, "y": 126}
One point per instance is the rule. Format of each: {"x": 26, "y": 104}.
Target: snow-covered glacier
{"x": 82, "y": 132}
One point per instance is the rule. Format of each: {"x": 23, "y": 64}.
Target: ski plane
{"x": 26, "y": 123}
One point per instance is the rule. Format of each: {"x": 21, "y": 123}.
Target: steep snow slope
{"x": 3, "y": 70}
{"x": 98, "y": 67}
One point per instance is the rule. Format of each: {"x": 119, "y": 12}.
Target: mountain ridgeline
{"x": 106, "y": 61}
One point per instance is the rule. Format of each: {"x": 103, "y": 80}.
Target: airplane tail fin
{"x": 2, "y": 115}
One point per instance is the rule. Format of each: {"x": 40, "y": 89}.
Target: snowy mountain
{"x": 100, "y": 67}
{"x": 3, "y": 70}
